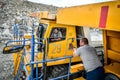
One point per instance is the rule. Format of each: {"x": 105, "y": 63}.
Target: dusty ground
{"x": 6, "y": 65}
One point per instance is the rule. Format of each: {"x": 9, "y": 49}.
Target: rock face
{"x": 19, "y": 9}
{"x": 9, "y": 11}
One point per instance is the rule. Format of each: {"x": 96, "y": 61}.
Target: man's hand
{"x": 74, "y": 49}
{"x": 55, "y": 39}
{"x": 74, "y": 53}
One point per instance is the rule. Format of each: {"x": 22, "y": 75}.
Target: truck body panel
{"x": 99, "y": 15}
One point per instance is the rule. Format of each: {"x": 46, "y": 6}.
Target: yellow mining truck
{"x": 59, "y": 49}
{"x": 54, "y": 57}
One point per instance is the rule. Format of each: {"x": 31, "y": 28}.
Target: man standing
{"x": 91, "y": 62}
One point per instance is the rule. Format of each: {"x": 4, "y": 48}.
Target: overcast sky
{"x": 67, "y": 3}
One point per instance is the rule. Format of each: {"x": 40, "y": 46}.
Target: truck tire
{"x": 110, "y": 76}
{"x": 58, "y": 71}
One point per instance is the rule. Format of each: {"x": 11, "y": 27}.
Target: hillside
{"x": 19, "y": 9}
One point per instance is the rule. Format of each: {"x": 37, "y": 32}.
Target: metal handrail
{"x": 50, "y": 60}
{"x": 16, "y": 41}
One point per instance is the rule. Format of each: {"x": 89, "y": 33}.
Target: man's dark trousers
{"x": 96, "y": 74}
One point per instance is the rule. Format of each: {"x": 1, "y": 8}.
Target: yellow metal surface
{"x": 81, "y": 78}
{"x": 34, "y": 14}
{"x": 105, "y": 46}
{"x": 113, "y": 40}
{"x": 114, "y": 55}
{"x": 113, "y": 68}
{"x": 42, "y": 14}
{"x": 76, "y": 68}
{"x": 27, "y": 36}
{"x": 112, "y": 51}
{"x": 91, "y": 15}
{"x": 17, "y": 59}
{"x": 112, "y": 45}
{"x": 47, "y": 15}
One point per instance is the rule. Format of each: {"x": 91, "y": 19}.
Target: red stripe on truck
{"x": 103, "y": 16}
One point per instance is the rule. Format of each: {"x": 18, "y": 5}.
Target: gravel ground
{"x": 6, "y": 65}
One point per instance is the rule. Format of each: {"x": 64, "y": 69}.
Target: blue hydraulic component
{"x": 37, "y": 71}
{"x": 24, "y": 47}
{"x": 32, "y": 55}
